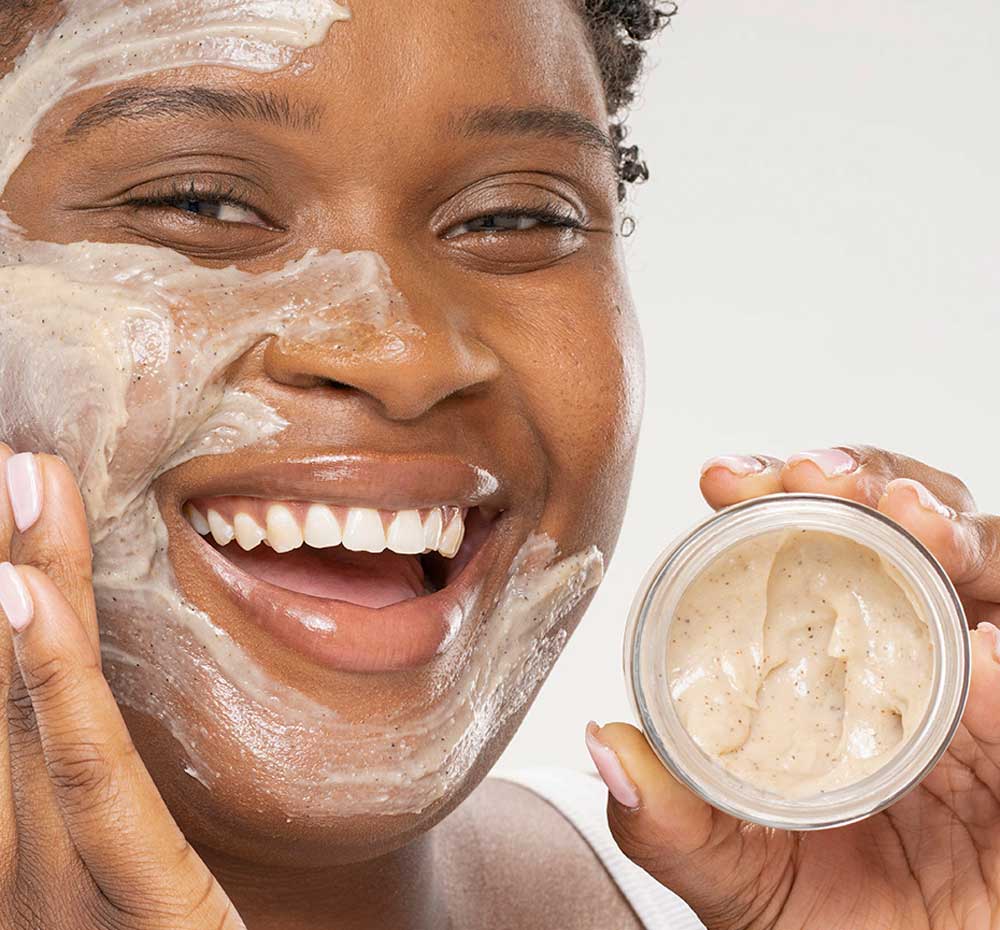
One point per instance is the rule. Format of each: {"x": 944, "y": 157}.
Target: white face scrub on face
{"x": 114, "y": 357}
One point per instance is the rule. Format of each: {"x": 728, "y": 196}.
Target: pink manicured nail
{"x": 927, "y": 500}
{"x": 832, "y": 462}
{"x": 739, "y": 465}
{"x": 609, "y": 767}
{"x": 24, "y": 487}
{"x": 14, "y": 597}
{"x": 985, "y": 627}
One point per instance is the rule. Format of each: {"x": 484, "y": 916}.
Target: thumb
{"x": 718, "y": 864}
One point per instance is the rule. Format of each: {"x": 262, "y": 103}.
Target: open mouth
{"x": 383, "y": 578}
{"x": 354, "y": 555}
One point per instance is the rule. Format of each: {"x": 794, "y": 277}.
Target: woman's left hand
{"x": 931, "y": 860}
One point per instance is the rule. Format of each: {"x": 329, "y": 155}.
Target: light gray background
{"x": 817, "y": 261}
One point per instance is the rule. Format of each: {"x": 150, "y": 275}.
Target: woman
{"x": 429, "y": 333}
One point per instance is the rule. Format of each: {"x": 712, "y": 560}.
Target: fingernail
{"x": 995, "y": 633}
{"x": 609, "y": 767}
{"x": 832, "y": 462}
{"x": 739, "y": 465}
{"x": 924, "y": 497}
{"x": 14, "y": 597}
{"x": 24, "y": 487}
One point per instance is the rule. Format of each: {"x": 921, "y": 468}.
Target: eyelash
{"x": 551, "y": 214}
{"x": 215, "y": 192}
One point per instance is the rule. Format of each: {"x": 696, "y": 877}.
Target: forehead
{"x": 512, "y": 49}
{"x": 413, "y": 66}
{"x": 393, "y": 56}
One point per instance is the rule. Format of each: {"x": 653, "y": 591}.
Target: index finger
{"x": 52, "y": 532}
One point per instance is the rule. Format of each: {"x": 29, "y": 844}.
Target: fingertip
{"x": 740, "y": 466}
{"x": 6, "y": 515}
{"x": 832, "y": 471}
{"x": 661, "y": 796}
{"x": 609, "y": 766}
{"x": 58, "y": 536}
{"x": 731, "y": 479}
{"x": 629, "y": 746}
{"x": 16, "y": 601}
{"x": 915, "y": 508}
{"x": 987, "y": 644}
{"x": 37, "y": 586}
{"x": 53, "y": 624}
{"x": 984, "y": 688}
{"x": 24, "y": 489}
{"x": 913, "y": 496}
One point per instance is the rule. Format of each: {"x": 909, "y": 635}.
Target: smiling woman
{"x": 324, "y": 313}
{"x": 320, "y": 382}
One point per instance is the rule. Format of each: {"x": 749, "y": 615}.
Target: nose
{"x": 407, "y": 370}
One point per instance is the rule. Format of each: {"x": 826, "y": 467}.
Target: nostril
{"x": 308, "y": 381}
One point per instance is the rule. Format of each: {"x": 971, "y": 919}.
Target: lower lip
{"x": 349, "y": 637}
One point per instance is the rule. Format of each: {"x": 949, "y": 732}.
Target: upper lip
{"x": 388, "y": 482}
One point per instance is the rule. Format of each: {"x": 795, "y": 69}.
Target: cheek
{"x": 580, "y": 362}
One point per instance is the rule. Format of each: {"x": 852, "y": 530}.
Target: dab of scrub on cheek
{"x": 798, "y": 661}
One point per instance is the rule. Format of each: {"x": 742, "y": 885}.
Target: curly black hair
{"x": 618, "y": 31}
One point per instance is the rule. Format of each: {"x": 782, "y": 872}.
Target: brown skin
{"x": 536, "y": 359}
{"x": 931, "y": 861}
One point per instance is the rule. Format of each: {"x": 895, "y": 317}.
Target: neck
{"x": 400, "y": 890}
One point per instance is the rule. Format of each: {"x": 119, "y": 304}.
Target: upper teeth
{"x": 287, "y": 526}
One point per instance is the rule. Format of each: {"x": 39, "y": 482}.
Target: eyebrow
{"x": 547, "y": 122}
{"x": 134, "y": 104}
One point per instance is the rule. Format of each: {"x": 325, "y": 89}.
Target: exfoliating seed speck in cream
{"x": 798, "y": 660}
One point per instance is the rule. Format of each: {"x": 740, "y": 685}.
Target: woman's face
{"x": 462, "y": 143}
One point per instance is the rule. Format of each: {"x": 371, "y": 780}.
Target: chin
{"x": 243, "y": 820}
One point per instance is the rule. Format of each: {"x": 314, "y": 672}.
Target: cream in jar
{"x": 799, "y": 661}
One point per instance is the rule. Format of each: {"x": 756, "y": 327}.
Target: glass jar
{"x": 646, "y": 665}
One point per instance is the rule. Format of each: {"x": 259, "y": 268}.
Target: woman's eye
{"x": 497, "y": 221}
{"x": 215, "y": 201}
{"x": 223, "y": 211}
{"x": 512, "y": 222}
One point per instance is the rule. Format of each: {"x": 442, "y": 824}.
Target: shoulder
{"x": 532, "y": 864}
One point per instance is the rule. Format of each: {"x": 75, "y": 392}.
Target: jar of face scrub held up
{"x": 798, "y": 660}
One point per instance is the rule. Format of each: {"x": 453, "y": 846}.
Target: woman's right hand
{"x": 86, "y": 841}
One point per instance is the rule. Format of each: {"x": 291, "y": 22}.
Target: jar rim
{"x": 941, "y": 609}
